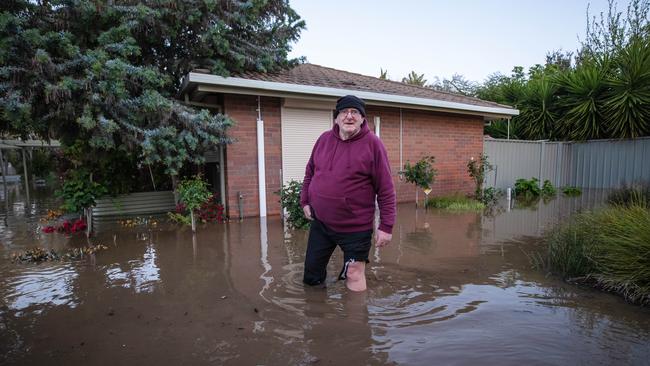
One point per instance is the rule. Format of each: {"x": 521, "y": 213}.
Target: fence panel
{"x": 590, "y": 164}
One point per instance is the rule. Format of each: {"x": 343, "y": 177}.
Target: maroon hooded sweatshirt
{"x": 342, "y": 179}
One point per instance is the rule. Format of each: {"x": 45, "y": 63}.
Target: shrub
{"x": 422, "y": 173}
{"x": 290, "y": 201}
{"x": 548, "y": 189}
{"x": 636, "y": 194}
{"x": 211, "y": 211}
{"x": 179, "y": 218}
{"x": 193, "y": 193}
{"x": 490, "y": 195}
{"x": 571, "y": 191}
{"x": 477, "y": 170}
{"x": 527, "y": 188}
{"x": 606, "y": 248}
{"x": 79, "y": 191}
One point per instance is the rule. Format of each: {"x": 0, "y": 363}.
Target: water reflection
{"x": 140, "y": 275}
{"x": 47, "y": 285}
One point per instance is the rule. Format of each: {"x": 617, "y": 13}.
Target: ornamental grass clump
{"x": 635, "y": 194}
{"x": 609, "y": 249}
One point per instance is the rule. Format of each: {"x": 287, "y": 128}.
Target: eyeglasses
{"x": 353, "y": 111}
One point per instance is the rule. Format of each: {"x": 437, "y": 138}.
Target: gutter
{"x": 259, "y": 87}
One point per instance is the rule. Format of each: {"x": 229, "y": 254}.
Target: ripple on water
{"x": 36, "y": 286}
{"x": 408, "y": 298}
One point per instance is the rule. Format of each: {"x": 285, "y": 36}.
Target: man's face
{"x": 349, "y": 121}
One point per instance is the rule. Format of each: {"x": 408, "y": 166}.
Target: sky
{"x": 474, "y": 38}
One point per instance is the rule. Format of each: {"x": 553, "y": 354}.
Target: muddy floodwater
{"x": 451, "y": 289}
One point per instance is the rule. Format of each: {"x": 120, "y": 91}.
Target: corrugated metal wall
{"x": 591, "y": 164}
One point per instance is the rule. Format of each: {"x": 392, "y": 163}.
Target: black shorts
{"x": 321, "y": 245}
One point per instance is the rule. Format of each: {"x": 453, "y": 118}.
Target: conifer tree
{"x": 103, "y": 76}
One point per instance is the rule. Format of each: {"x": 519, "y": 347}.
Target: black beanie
{"x": 350, "y": 101}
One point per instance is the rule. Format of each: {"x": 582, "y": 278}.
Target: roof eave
{"x": 259, "y": 87}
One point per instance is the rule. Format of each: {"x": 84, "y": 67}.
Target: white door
{"x": 300, "y": 130}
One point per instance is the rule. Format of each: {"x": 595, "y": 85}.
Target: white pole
{"x": 401, "y": 163}
{"x": 222, "y": 178}
{"x": 261, "y": 167}
{"x": 25, "y": 173}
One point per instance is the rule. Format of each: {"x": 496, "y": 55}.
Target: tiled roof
{"x": 315, "y": 75}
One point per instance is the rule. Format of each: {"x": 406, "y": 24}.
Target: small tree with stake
{"x": 422, "y": 174}
{"x": 477, "y": 169}
{"x": 193, "y": 193}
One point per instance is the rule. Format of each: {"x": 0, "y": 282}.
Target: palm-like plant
{"x": 627, "y": 101}
{"x": 499, "y": 129}
{"x": 415, "y": 79}
{"x": 539, "y": 109}
{"x": 581, "y": 99}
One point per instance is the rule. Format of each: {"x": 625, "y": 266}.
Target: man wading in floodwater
{"x": 347, "y": 169}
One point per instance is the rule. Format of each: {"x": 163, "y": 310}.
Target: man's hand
{"x": 383, "y": 238}
{"x": 307, "y": 211}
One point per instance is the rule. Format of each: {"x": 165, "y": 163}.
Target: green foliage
{"x": 582, "y": 91}
{"x": 527, "y": 188}
{"x": 477, "y": 169}
{"x": 290, "y": 202}
{"x": 607, "y": 248}
{"x": 193, "y": 192}
{"x": 605, "y": 94}
{"x": 180, "y": 218}
{"x": 631, "y": 195}
{"x": 102, "y": 76}
{"x": 79, "y": 191}
{"x": 548, "y": 189}
{"x": 571, "y": 191}
{"x": 538, "y": 109}
{"x": 415, "y": 79}
{"x": 627, "y": 97}
{"x": 466, "y": 206}
{"x": 499, "y": 129}
{"x": 455, "y": 202}
{"x": 490, "y": 196}
{"x": 422, "y": 173}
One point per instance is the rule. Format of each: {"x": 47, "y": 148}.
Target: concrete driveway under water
{"x": 452, "y": 288}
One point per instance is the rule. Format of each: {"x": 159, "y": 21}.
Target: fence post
{"x": 541, "y": 160}
{"x": 558, "y": 161}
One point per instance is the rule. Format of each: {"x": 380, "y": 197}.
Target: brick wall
{"x": 241, "y": 156}
{"x": 452, "y": 139}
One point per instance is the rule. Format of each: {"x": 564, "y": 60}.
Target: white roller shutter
{"x": 300, "y": 130}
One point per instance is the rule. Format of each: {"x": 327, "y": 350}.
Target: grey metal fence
{"x": 590, "y": 164}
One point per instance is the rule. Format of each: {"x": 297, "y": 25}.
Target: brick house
{"x": 292, "y": 108}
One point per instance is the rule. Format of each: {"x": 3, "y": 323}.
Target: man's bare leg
{"x": 356, "y": 276}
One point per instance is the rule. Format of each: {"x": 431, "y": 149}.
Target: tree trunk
{"x": 416, "y": 197}
{"x": 193, "y": 221}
